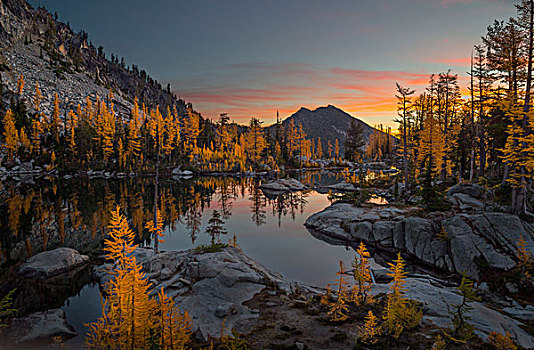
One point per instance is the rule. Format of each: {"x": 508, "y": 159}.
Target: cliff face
{"x": 49, "y": 52}
{"x": 15, "y": 15}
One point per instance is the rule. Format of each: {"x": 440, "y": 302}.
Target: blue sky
{"x": 251, "y": 58}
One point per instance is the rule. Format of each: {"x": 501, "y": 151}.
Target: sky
{"x": 252, "y": 58}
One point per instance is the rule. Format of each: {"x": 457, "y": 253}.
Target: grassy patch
{"x": 213, "y": 248}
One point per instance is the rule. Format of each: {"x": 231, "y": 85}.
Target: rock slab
{"x": 40, "y": 326}
{"x": 51, "y": 263}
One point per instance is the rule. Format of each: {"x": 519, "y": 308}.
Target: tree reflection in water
{"x": 75, "y": 212}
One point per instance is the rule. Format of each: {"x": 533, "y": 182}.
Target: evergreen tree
{"x": 11, "y": 136}
{"x": 354, "y": 141}
{"x": 215, "y": 227}
{"x": 403, "y": 110}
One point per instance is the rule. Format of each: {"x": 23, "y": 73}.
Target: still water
{"x": 75, "y": 213}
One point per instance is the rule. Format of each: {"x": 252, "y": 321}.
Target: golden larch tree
{"x": 11, "y": 136}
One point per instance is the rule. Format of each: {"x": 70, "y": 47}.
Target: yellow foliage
{"x": 54, "y": 123}
{"x": 400, "y": 313}
{"x": 431, "y": 143}
{"x": 11, "y": 137}
{"x": 439, "y": 344}
{"x": 338, "y": 309}
{"x": 525, "y": 258}
{"x": 156, "y": 230}
{"x": 131, "y": 319}
{"x": 501, "y": 342}
{"x": 20, "y": 84}
{"x": 518, "y": 153}
{"x": 370, "y": 330}
{"x": 362, "y": 276}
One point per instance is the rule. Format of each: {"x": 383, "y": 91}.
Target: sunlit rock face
{"x": 15, "y": 15}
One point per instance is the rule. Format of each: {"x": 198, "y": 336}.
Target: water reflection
{"x": 75, "y": 212}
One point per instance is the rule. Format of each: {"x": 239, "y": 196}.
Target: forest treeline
{"x": 94, "y": 136}
{"x": 487, "y": 137}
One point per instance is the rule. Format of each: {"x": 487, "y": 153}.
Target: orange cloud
{"x": 460, "y": 61}
{"x": 367, "y": 94}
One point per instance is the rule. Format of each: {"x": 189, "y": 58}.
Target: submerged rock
{"x": 39, "y": 326}
{"x": 52, "y": 262}
{"x": 341, "y": 187}
{"x": 283, "y": 186}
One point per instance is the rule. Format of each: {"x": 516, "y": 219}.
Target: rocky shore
{"x": 467, "y": 241}
{"x": 224, "y": 289}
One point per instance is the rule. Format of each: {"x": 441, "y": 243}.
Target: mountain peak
{"x": 330, "y": 108}
{"x": 327, "y": 123}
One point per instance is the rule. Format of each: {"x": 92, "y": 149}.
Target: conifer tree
{"x": 403, "y": 110}
{"x": 370, "y": 330}
{"x": 131, "y": 319}
{"x": 400, "y": 313}
{"x": 36, "y": 124}
{"x": 72, "y": 124}
{"x": 362, "y": 276}
{"x": 133, "y": 142}
{"x": 526, "y": 260}
{"x": 462, "y": 329}
{"x": 338, "y": 309}
{"x": 215, "y": 227}
{"x": 319, "y": 151}
{"x": 20, "y": 84}
{"x": 155, "y": 227}
{"x": 354, "y": 142}
{"x": 6, "y": 308}
{"x": 54, "y": 122}
{"x": 255, "y": 141}
{"x": 11, "y": 137}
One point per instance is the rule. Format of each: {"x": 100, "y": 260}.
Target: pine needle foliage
{"x": 6, "y": 307}
{"x": 362, "y": 276}
{"x": 400, "y": 313}
{"x": 338, "y": 308}
{"x": 370, "y": 330}
{"x": 501, "y": 341}
{"x": 131, "y": 319}
{"x": 462, "y": 330}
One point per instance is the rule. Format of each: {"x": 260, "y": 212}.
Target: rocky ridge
{"x": 463, "y": 242}
{"x": 49, "y": 52}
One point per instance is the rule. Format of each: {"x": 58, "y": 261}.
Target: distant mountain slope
{"x": 44, "y": 50}
{"x": 328, "y": 123}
